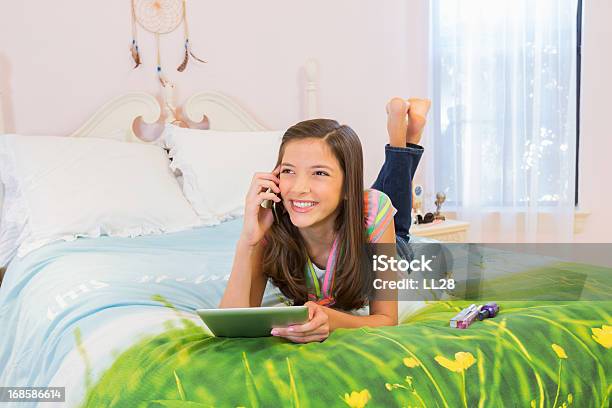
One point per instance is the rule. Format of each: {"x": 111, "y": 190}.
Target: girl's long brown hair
{"x": 285, "y": 255}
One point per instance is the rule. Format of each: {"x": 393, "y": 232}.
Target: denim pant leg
{"x": 395, "y": 180}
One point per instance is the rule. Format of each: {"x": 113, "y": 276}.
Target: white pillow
{"x": 217, "y": 167}
{"x": 60, "y": 188}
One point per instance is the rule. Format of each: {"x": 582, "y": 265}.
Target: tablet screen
{"x": 251, "y": 321}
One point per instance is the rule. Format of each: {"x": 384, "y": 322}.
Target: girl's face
{"x": 310, "y": 182}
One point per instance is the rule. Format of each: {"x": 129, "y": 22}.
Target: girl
{"x": 311, "y": 245}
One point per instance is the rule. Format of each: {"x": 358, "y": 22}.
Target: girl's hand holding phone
{"x": 317, "y": 328}
{"x": 257, "y": 220}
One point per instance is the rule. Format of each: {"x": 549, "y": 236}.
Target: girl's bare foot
{"x": 417, "y": 113}
{"x": 397, "y": 122}
{"x": 406, "y": 120}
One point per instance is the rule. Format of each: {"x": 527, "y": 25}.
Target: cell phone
{"x": 267, "y": 203}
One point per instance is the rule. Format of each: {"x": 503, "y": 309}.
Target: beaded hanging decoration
{"x": 160, "y": 17}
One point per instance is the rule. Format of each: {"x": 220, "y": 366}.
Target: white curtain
{"x": 503, "y": 126}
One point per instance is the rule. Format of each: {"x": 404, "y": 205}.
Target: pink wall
{"x": 60, "y": 60}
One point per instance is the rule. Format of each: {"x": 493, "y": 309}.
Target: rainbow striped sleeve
{"x": 378, "y": 211}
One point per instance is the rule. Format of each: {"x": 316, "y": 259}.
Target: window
{"x": 505, "y": 82}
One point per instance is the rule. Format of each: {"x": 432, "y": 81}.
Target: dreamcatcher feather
{"x": 188, "y": 51}
{"x": 134, "y": 46}
{"x": 160, "y": 17}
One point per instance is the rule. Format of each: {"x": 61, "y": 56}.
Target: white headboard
{"x": 116, "y": 118}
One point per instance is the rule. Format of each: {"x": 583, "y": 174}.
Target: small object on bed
{"x": 488, "y": 311}
{"x": 465, "y": 318}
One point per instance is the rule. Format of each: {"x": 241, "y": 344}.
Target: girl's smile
{"x": 302, "y": 206}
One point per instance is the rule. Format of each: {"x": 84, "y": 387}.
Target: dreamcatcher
{"x": 160, "y": 17}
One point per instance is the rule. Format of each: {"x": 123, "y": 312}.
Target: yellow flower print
{"x": 559, "y": 350}
{"x": 413, "y": 391}
{"x": 411, "y": 362}
{"x": 463, "y": 361}
{"x": 357, "y": 399}
{"x": 603, "y": 336}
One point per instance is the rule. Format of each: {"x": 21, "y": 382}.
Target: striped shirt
{"x": 378, "y": 211}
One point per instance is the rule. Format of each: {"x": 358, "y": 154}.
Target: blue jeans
{"x": 395, "y": 180}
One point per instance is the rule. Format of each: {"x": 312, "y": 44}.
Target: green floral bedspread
{"x": 533, "y": 354}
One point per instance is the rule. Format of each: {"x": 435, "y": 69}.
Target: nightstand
{"x": 446, "y": 231}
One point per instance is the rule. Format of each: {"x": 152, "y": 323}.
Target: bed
{"x": 112, "y": 319}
